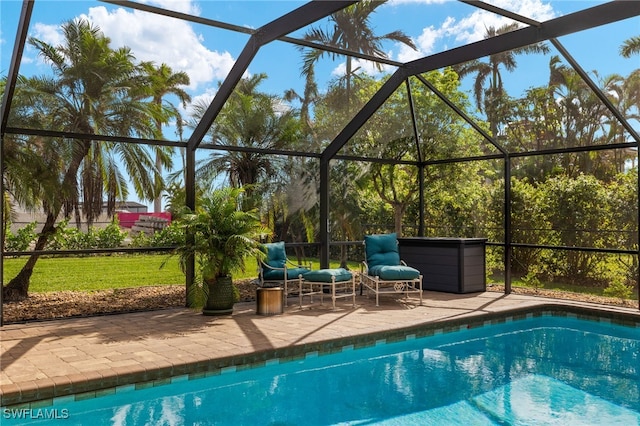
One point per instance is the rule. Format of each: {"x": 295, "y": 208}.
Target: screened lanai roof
{"x": 220, "y": 42}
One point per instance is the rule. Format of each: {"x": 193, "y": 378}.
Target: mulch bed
{"x": 68, "y": 304}
{"x": 580, "y": 297}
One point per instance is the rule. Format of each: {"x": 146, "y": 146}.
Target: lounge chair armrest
{"x": 275, "y": 268}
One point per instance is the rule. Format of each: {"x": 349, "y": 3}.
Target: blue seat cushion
{"x": 382, "y": 249}
{"x": 394, "y": 273}
{"x": 292, "y": 273}
{"x": 276, "y": 254}
{"x": 325, "y": 275}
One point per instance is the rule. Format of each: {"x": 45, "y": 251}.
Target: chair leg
{"x": 333, "y": 293}
{"x": 286, "y": 292}
{"x": 353, "y": 291}
{"x": 300, "y": 290}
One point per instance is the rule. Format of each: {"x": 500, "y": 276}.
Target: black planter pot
{"x": 221, "y": 296}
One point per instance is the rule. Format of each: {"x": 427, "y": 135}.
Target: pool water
{"x": 539, "y": 371}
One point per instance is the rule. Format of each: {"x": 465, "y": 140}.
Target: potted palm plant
{"x": 221, "y": 236}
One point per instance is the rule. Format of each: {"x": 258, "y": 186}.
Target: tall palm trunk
{"x": 157, "y": 202}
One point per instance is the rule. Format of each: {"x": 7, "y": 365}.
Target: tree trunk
{"x": 18, "y": 287}
{"x": 398, "y": 214}
{"x": 157, "y": 203}
{"x": 343, "y": 256}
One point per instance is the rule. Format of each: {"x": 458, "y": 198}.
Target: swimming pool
{"x": 542, "y": 370}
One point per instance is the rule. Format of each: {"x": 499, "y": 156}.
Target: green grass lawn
{"x": 560, "y": 286}
{"x": 116, "y": 271}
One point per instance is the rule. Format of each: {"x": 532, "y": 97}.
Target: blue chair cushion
{"x": 382, "y": 249}
{"x": 292, "y": 273}
{"x": 394, "y": 273}
{"x": 276, "y": 254}
{"x": 325, "y": 275}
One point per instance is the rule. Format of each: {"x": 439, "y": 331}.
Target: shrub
{"x": 22, "y": 239}
{"x": 110, "y": 237}
{"x": 67, "y": 238}
{"x": 618, "y": 289}
{"x": 169, "y": 236}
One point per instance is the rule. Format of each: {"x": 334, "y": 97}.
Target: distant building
{"x": 21, "y": 217}
{"x": 129, "y": 206}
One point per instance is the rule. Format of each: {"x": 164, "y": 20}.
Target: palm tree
{"x": 351, "y": 31}
{"x": 23, "y": 168}
{"x": 579, "y": 116}
{"x": 250, "y": 119}
{"x": 162, "y": 81}
{"x": 624, "y": 93}
{"x": 309, "y": 96}
{"x": 89, "y": 93}
{"x": 630, "y": 47}
{"x": 487, "y": 98}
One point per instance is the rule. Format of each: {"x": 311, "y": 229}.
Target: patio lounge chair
{"x": 384, "y": 272}
{"x": 276, "y": 270}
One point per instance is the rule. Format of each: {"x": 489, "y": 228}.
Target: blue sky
{"x": 207, "y": 54}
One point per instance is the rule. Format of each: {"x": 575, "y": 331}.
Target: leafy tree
{"x": 529, "y": 223}
{"x": 351, "y": 31}
{"x": 624, "y": 94}
{"x": 579, "y": 213}
{"x": 457, "y": 200}
{"x": 24, "y": 169}
{"x": 345, "y": 186}
{"x": 389, "y": 134}
{"x": 624, "y": 208}
{"x": 630, "y": 47}
{"x": 580, "y": 120}
{"x": 489, "y": 98}
{"x": 162, "y": 81}
{"x": 250, "y": 119}
{"x": 90, "y": 93}
{"x": 567, "y": 113}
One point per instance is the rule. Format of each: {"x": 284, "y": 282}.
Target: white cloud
{"x": 534, "y": 9}
{"x": 474, "y": 26}
{"x": 49, "y": 33}
{"x": 163, "y": 40}
{"x": 471, "y": 27}
{"x": 155, "y": 38}
{"x": 202, "y": 99}
{"x": 425, "y": 44}
{"x": 361, "y": 66}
